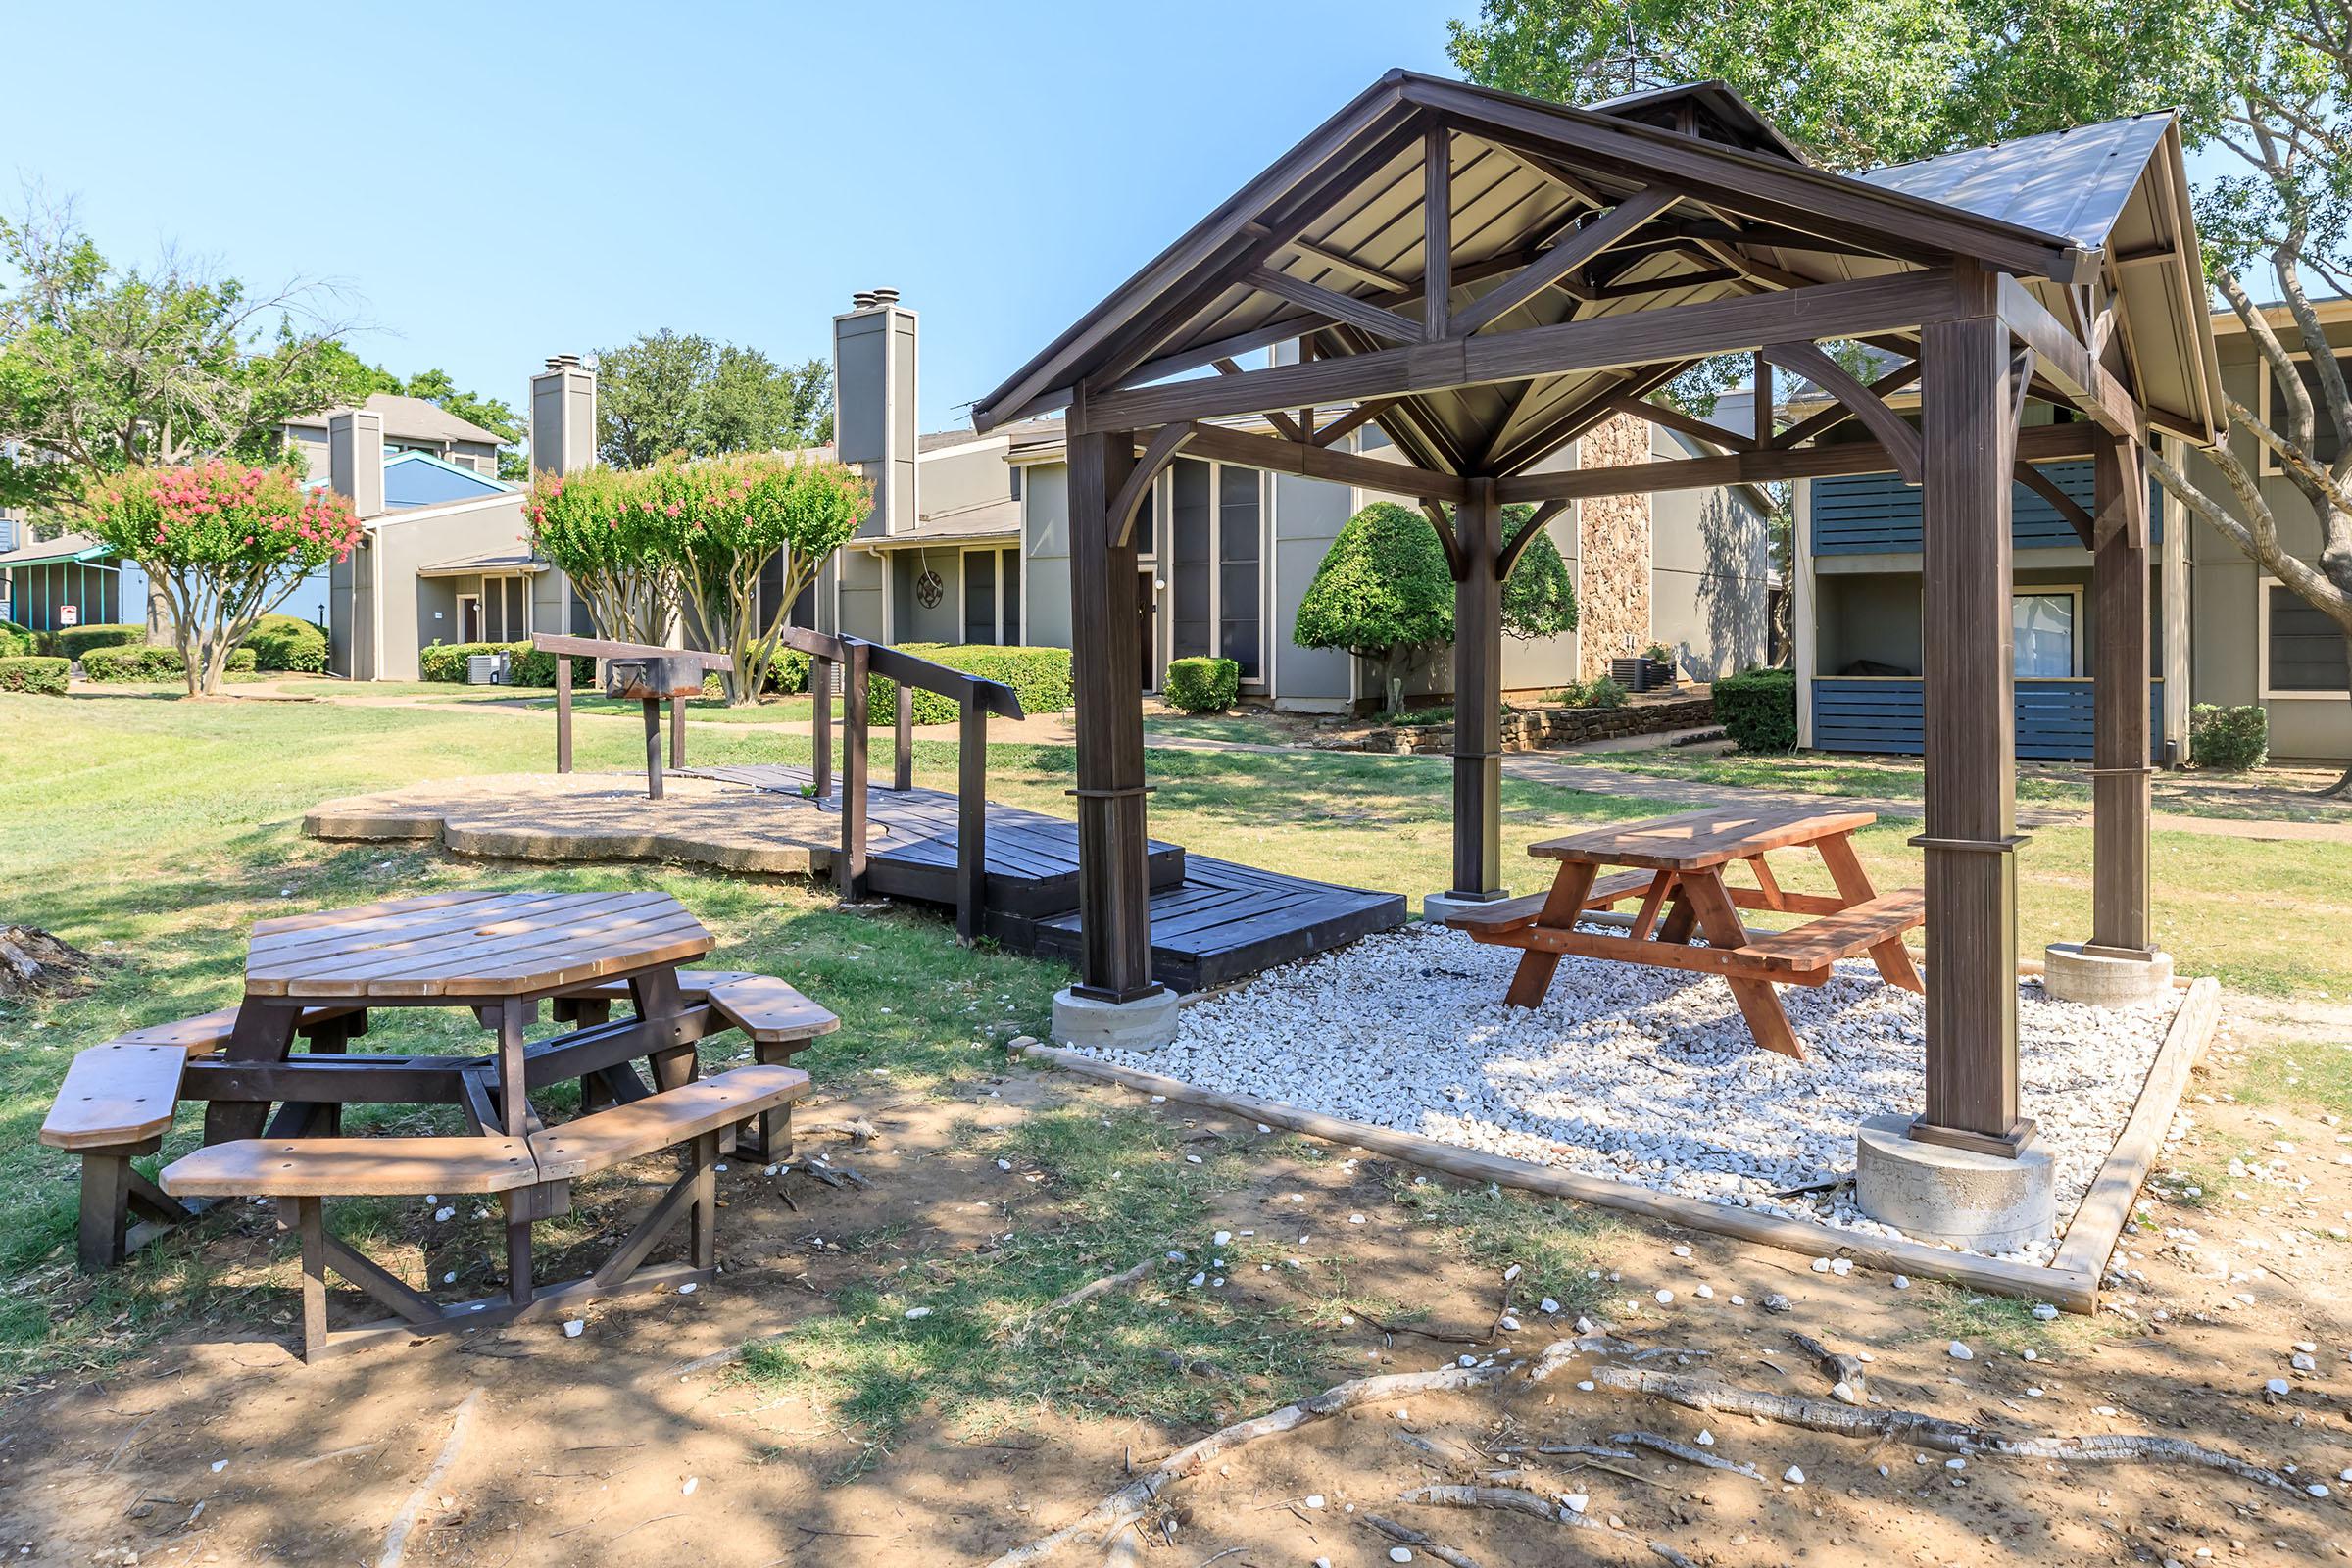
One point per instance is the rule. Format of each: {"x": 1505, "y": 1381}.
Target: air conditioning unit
{"x": 486, "y": 669}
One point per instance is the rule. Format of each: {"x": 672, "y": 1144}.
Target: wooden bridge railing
{"x": 567, "y": 648}
{"x": 975, "y": 699}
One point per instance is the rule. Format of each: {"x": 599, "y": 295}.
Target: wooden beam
{"x": 1335, "y": 306}
{"x": 1661, "y": 284}
{"x": 2119, "y": 881}
{"x": 1639, "y": 337}
{"x": 1437, "y": 233}
{"x": 1354, "y": 418}
{"x": 1446, "y": 541}
{"x": 1566, "y": 255}
{"x": 1349, "y": 265}
{"x": 1676, "y": 420}
{"x": 1525, "y": 449}
{"x": 1166, "y": 442}
{"x": 1535, "y": 526}
{"x": 2045, "y": 443}
{"x": 2042, "y": 485}
{"x": 1763, "y": 400}
{"x": 1324, "y": 463}
{"x": 1971, "y": 839}
{"x": 1893, "y": 431}
{"x": 1838, "y": 413}
{"x": 2066, "y": 360}
{"x": 1478, "y": 699}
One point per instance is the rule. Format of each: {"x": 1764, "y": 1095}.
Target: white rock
{"x": 2316, "y": 1490}
{"x": 2046, "y": 1311}
{"x": 692, "y": 1481}
{"x": 1314, "y": 1500}
{"x": 1665, "y": 1298}
{"x": 1222, "y": 1237}
{"x": 1548, "y": 1304}
{"x": 1793, "y": 1476}
{"x": 915, "y": 1313}
{"x": 1400, "y": 1554}
{"x": 1574, "y": 1502}
{"x": 1706, "y": 1439}
{"x": 573, "y": 1327}
{"x": 2278, "y": 1386}
{"x": 1961, "y": 1353}
{"x": 1198, "y": 1278}
{"x": 1820, "y": 1265}
{"x": 1902, "y": 1282}
{"x": 687, "y": 1288}
{"x": 1841, "y": 1266}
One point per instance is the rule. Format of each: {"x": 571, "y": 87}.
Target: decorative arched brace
{"x": 1434, "y": 511}
{"x": 1535, "y": 526}
{"x": 1166, "y": 442}
{"x": 1894, "y": 432}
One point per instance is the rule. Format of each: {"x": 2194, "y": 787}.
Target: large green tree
{"x": 670, "y": 393}
{"x": 104, "y": 369}
{"x": 2263, "y": 86}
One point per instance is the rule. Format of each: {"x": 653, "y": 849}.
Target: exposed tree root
{"x": 1129, "y": 1501}
{"x": 1102, "y": 1286}
{"x": 1849, "y": 1379}
{"x": 1503, "y": 1500}
{"x": 1406, "y": 1537}
{"x": 1683, "y": 1452}
{"x": 1927, "y": 1431}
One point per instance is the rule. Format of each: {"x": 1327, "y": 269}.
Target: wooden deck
{"x": 1213, "y": 921}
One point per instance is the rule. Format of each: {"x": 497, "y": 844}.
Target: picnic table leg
{"x": 265, "y": 1032}
{"x": 1562, "y": 907}
{"x": 309, "y": 1221}
{"x": 1681, "y": 918}
{"x": 105, "y": 1209}
{"x": 1647, "y": 916}
{"x": 1759, "y": 1004}
{"x": 657, "y": 999}
{"x": 1853, "y": 886}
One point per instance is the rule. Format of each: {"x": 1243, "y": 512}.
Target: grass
{"x": 2008, "y": 1327}
{"x": 2309, "y": 1075}
{"x": 1558, "y": 1247}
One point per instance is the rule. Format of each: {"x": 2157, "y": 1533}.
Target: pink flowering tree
{"x": 225, "y": 544}
{"x": 643, "y": 542}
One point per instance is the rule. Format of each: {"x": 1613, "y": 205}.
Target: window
{"x": 1240, "y": 500}
{"x": 2042, "y": 626}
{"x": 503, "y": 611}
{"x": 1215, "y": 570}
{"x": 2303, "y": 653}
{"x": 1189, "y": 547}
{"x": 2325, "y": 440}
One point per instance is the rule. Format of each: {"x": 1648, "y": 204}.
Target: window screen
{"x": 980, "y": 595}
{"x": 1190, "y": 547}
{"x": 2307, "y": 654}
{"x": 1238, "y": 509}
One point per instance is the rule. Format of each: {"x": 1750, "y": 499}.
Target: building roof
{"x": 412, "y": 418}
{"x": 974, "y": 524}
{"x": 495, "y": 561}
{"x": 66, "y": 546}
{"x": 1343, "y": 213}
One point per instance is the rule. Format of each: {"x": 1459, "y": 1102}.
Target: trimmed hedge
{"x": 18, "y": 642}
{"x": 1758, "y": 708}
{"x": 1041, "y": 677}
{"x": 288, "y": 643}
{"x": 525, "y": 665}
{"x": 41, "y": 677}
{"x": 146, "y": 663}
{"x": 75, "y": 641}
{"x": 1202, "y": 685}
{"x": 2231, "y": 740}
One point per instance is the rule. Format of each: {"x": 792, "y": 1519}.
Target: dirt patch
{"x": 597, "y": 1448}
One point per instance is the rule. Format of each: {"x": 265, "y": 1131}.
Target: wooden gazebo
{"x": 1488, "y": 278}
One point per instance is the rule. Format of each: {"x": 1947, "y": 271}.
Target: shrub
{"x": 789, "y": 674}
{"x": 75, "y": 641}
{"x": 1599, "y": 692}
{"x": 42, "y": 677}
{"x": 1202, "y": 685}
{"x": 1383, "y": 593}
{"x": 525, "y": 665}
{"x": 1039, "y": 676}
{"x": 1758, "y": 708}
{"x": 2231, "y": 740}
{"x": 143, "y": 663}
{"x": 288, "y": 643}
{"x": 18, "y": 642}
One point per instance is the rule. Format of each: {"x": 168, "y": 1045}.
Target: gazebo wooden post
{"x": 2120, "y": 741}
{"x": 1114, "y": 894}
{"x": 1478, "y": 697}
{"x": 1970, "y": 432}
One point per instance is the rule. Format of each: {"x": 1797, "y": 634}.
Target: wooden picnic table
{"x": 1675, "y": 867}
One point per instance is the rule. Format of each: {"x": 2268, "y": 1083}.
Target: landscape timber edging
{"x": 1539, "y": 729}
{"x": 2070, "y": 1282}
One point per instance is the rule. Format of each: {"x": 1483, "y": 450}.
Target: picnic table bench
{"x": 1676, "y": 869}
{"x": 498, "y": 956}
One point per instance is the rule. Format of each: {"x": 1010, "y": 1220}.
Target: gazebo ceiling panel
{"x": 1344, "y": 213}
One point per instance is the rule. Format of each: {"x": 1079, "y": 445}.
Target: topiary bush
{"x": 288, "y": 643}
{"x": 1758, "y": 708}
{"x": 1383, "y": 593}
{"x": 18, "y": 642}
{"x": 1039, "y": 676}
{"x": 144, "y": 664}
{"x": 41, "y": 677}
{"x": 2230, "y": 740}
{"x": 1202, "y": 685}
{"x": 75, "y": 641}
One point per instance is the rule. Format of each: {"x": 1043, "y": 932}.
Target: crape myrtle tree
{"x": 644, "y": 546}
{"x": 223, "y": 543}
{"x": 2264, "y": 89}
{"x": 1383, "y": 593}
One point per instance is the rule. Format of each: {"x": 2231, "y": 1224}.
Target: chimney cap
{"x": 564, "y": 362}
{"x": 886, "y": 296}
{"x": 863, "y": 300}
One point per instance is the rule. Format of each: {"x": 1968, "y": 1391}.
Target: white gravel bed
{"x": 1638, "y": 1074}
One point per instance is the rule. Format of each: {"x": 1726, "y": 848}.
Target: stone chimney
{"x": 355, "y": 458}
{"x": 563, "y": 417}
{"x": 874, "y": 404}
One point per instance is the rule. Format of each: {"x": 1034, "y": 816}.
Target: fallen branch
{"x": 1505, "y": 1500}
{"x": 1849, "y": 1379}
{"x": 1927, "y": 1431}
{"x": 1683, "y": 1452}
{"x": 1129, "y": 1501}
{"x": 1590, "y": 1450}
{"x": 1109, "y": 1282}
{"x": 404, "y": 1523}
{"x": 1404, "y": 1536}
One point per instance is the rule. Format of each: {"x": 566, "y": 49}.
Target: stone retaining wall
{"x": 1545, "y": 729}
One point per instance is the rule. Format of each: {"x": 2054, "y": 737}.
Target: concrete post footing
{"x": 1435, "y": 906}
{"x": 1986, "y": 1203}
{"x": 2076, "y": 971}
{"x": 1088, "y": 1024}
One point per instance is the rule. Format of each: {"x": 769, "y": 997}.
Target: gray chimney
{"x": 563, "y": 417}
{"x": 355, "y": 458}
{"x": 874, "y": 404}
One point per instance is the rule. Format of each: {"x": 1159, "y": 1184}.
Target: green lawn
{"x": 155, "y": 832}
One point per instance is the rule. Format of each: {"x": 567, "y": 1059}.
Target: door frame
{"x": 474, "y": 599}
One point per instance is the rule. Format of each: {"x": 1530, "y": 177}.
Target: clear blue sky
{"x": 492, "y": 187}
